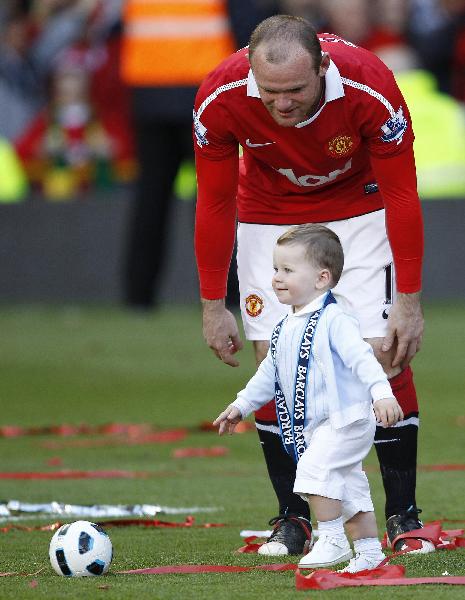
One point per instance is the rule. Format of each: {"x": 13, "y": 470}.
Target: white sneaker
{"x": 362, "y": 563}
{"x": 326, "y": 552}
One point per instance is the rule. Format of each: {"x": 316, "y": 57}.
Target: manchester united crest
{"x": 341, "y": 145}
{"x": 254, "y": 305}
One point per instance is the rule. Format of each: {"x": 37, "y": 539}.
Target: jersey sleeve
{"x": 215, "y": 222}
{"x": 397, "y": 183}
{"x": 216, "y": 158}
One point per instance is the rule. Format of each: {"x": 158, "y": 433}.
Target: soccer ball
{"x": 80, "y": 549}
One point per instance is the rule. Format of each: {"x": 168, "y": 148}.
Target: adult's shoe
{"x": 404, "y": 522}
{"x": 291, "y": 535}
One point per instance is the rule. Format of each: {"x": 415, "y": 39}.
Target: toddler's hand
{"x": 388, "y": 411}
{"x": 228, "y": 419}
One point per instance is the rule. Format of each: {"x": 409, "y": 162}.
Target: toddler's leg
{"x": 362, "y": 525}
{"x": 364, "y": 533}
{"x": 332, "y": 546}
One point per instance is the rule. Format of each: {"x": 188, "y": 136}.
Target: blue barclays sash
{"x": 292, "y": 425}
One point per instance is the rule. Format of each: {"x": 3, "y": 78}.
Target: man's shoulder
{"x": 354, "y": 63}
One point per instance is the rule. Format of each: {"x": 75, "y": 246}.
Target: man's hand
{"x": 388, "y": 411}
{"x": 228, "y": 419}
{"x": 405, "y": 325}
{"x": 220, "y": 331}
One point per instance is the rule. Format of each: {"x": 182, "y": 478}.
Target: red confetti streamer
{"x": 251, "y": 546}
{"x": 160, "y": 437}
{"x": 11, "y": 431}
{"x": 388, "y": 575}
{"x": 9, "y": 574}
{"x": 55, "y": 461}
{"x": 188, "y": 522}
{"x": 107, "y": 429}
{"x": 65, "y": 429}
{"x": 195, "y": 452}
{"x": 321, "y": 579}
{"x": 185, "y": 569}
{"x": 49, "y": 527}
{"x": 69, "y": 474}
{"x": 170, "y": 569}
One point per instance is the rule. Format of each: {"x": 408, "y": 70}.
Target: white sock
{"x": 369, "y": 547}
{"x": 334, "y": 528}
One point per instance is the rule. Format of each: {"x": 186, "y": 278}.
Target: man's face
{"x": 289, "y": 90}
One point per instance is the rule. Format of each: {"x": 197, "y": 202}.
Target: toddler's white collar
{"x": 312, "y": 306}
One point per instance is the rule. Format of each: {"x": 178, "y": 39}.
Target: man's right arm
{"x": 215, "y": 226}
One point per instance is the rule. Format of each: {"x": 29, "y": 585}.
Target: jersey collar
{"x": 334, "y": 89}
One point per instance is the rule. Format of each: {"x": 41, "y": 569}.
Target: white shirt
{"x": 344, "y": 375}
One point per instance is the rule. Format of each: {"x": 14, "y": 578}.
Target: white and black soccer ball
{"x": 80, "y": 549}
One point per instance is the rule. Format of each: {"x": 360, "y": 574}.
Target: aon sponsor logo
{"x": 312, "y": 180}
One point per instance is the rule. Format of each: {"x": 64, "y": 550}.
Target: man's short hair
{"x": 281, "y": 32}
{"x": 322, "y": 247}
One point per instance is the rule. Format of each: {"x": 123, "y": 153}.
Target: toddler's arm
{"x": 387, "y": 411}
{"x": 228, "y": 419}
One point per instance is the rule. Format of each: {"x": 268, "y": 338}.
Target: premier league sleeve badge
{"x": 395, "y": 127}
{"x": 200, "y": 131}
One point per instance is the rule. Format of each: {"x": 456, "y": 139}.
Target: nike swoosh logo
{"x": 250, "y": 145}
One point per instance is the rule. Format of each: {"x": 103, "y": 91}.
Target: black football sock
{"x": 397, "y": 454}
{"x": 281, "y": 469}
{"x": 396, "y": 448}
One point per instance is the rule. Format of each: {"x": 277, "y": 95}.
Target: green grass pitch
{"x": 100, "y": 365}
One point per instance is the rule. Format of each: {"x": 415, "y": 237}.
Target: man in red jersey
{"x": 326, "y": 138}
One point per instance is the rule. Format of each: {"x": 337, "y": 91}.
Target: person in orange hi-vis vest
{"x": 168, "y": 48}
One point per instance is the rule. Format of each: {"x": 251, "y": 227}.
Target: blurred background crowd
{"x": 81, "y": 111}
{"x": 65, "y": 108}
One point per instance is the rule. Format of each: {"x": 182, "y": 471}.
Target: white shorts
{"x": 331, "y": 466}
{"x": 366, "y": 288}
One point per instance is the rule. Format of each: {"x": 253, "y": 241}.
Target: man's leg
{"x": 396, "y": 448}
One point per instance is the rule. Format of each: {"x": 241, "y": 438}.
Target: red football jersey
{"x": 321, "y": 169}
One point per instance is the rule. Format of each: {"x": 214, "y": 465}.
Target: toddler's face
{"x": 296, "y": 280}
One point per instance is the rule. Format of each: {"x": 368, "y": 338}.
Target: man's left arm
{"x": 396, "y": 177}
